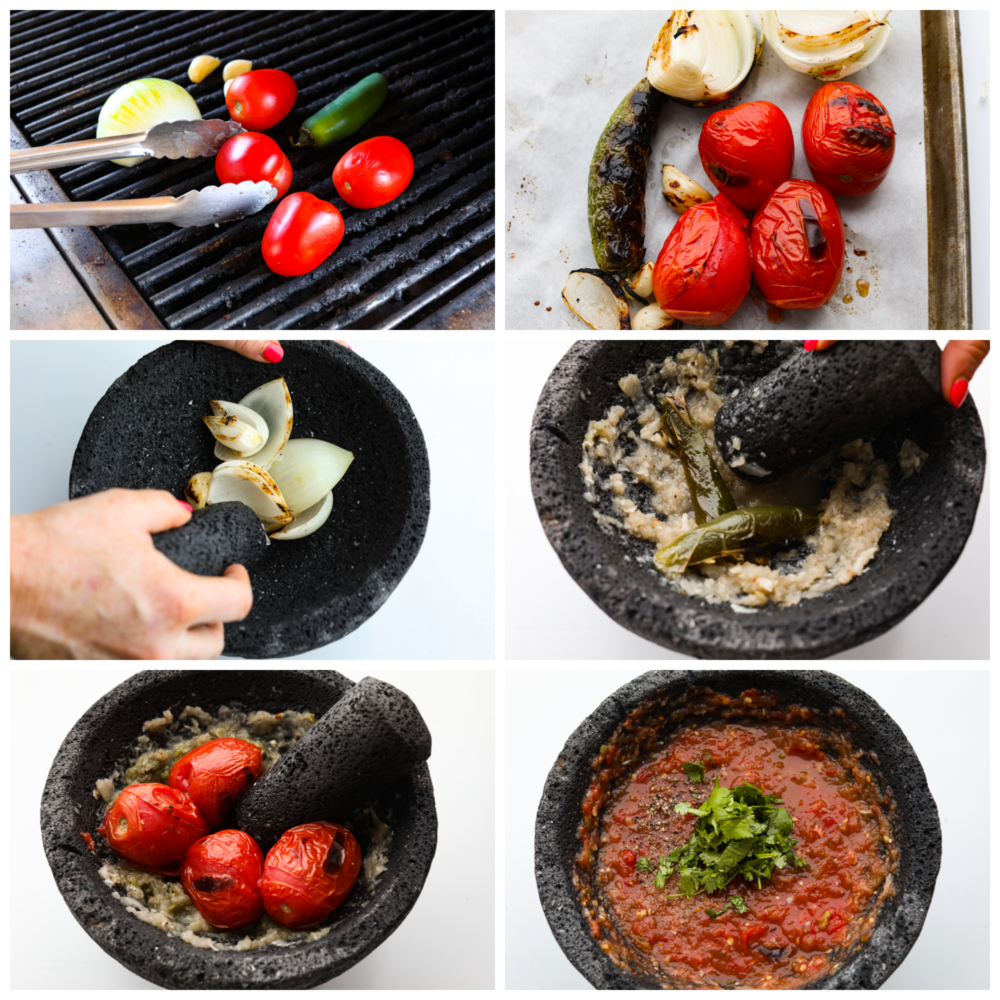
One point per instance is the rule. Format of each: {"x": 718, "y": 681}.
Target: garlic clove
{"x": 196, "y": 490}
{"x": 250, "y": 484}
{"x": 237, "y": 428}
{"x": 235, "y": 68}
{"x": 308, "y": 470}
{"x": 308, "y": 521}
{"x": 273, "y": 403}
{"x": 201, "y": 67}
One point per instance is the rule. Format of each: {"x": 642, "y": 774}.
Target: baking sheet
{"x": 566, "y": 72}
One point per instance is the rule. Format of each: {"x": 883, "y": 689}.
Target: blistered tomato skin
{"x": 848, "y": 138}
{"x": 308, "y": 873}
{"x": 747, "y": 151}
{"x": 797, "y": 246}
{"x": 221, "y": 873}
{"x": 216, "y": 774}
{"x": 152, "y": 825}
{"x": 702, "y": 274}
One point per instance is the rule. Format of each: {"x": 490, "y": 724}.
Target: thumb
{"x": 256, "y": 350}
{"x": 959, "y": 361}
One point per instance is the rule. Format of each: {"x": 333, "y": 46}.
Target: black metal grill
{"x": 401, "y": 265}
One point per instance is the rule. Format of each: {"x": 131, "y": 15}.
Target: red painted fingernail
{"x": 273, "y": 353}
{"x": 959, "y": 391}
{"x": 184, "y": 503}
{"x": 810, "y": 345}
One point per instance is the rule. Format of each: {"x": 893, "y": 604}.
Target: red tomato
{"x": 702, "y": 274}
{"x": 151, "y": 826}
{"x": 848, "y": 138}
{"x": 216, "y": 774}
{"x": 251, "y": 156}
{"x": 373, "y": 172}
{"x": 260, "y": 99}
{"x": 797, "y": 246}
{"x": 747, "y": 151}
{"x": 221, "y": 873}
{"x": 309, "y": 873}
{"x": 301, "y": 234}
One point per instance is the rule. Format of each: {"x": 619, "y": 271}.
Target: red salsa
{"x": 801, "y": 923}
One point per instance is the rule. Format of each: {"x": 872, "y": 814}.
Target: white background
{"x": 549, "y": 617}
{"x": 49, "y": 949}
{"x": 436, "y": 611}
{"x": 954, "y": 752}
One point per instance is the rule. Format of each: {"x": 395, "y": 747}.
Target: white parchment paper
{"x": 567, "y": 71}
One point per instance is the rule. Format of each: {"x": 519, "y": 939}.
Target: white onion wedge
{"x": 237, "y": 427}
{"x": 273, "y": 402}
{"x": 827, "y": 44}
{"x": 196, "y": 490}
{"x": 308, "y": 470}
{"x": 249, "y": 484}
{"x": 308, "y": 521}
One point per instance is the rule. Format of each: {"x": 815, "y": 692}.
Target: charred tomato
{"x": 309, "y": 873}
{"x": 702, "y": 274}
{"x": 373, "y": 172}
{"x": 747, "y": 151}
{"x": 848, "y": 138}
{"x": 301, "y": 234}
{"x": 216, "y": 774}
{"x": 152, "y": 825}
{"x": 221, "y": 873}
{"x": 258, "y": 100}
{"x": 797, "y": 246}
{"x": 251, "y": 156}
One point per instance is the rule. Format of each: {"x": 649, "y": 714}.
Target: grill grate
{"x": 396, "y": 265}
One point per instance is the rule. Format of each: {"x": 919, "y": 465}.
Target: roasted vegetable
{"x": 652, "y": 317}
{"x": 597, "y": 299}
{"x": 345, "y": 114}
{"x": 680, "y": 191}
{"x": 616, "y": 185}
{"x": 734, "y": 533}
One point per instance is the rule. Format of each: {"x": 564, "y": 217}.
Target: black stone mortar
{"x": 934, "y": 512}
{"x": 147, "y": 432}
{"x": 916, "y": 827}
{"x": 100, "y": 742}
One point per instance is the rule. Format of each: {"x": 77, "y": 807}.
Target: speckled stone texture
{"x": 314, "y": 590}
{"x": 214, "y": 538}
{"x": 369, "y": 739}
{"x": 934, "y": 513}
{"x": 916, "y": 826}
{"x": 99, "y": 743}
{"x": 815, "y": 401}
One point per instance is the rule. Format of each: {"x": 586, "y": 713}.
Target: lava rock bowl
{"x": 934, "y": 511}
{"x": 100, "y": 742}
{"x": 147, "y": 432}
{"x": 915, "y": 823}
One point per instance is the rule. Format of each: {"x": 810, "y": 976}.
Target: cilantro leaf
{"x": 695, "y": 772}
{"x": 643, "y": 865}
{"x": 738, "y": 904}
{"x": 717, "y": 913}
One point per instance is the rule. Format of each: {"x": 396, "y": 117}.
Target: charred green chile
{"x": 344, "y": 115}
{"x": 709, "y": 492}
{"x": 735, "y": 532}
{"x": 616, "y": 185}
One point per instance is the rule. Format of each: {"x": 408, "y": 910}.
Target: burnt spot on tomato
{"x": 813, "y": 230}
{"x": 213, "y": 883}
{"x": 336, "y": 855}
{"x": 871, "y": 105}
{"x": 868, "y": 137}
{"x": 728, "y": 178}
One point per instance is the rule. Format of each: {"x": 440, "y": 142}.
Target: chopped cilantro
{"x": 695, "y": 772}
{"x": 736, "y": 902}
{"x": 643, "y": 865}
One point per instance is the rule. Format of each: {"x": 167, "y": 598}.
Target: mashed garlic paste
{"x": 625, "y": 457}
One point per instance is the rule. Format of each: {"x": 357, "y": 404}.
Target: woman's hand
{"x": 86, "y": 582}
{"x": 959, "y": 361}
{"x": 256, "y": 350}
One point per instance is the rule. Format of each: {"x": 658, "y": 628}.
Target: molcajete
{"x": 147, "y": 432}
{"x": 934, "y": 511}
{"x": 100, "y": 742}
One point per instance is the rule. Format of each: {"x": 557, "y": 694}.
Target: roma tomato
{"x": 747, "y": 151}
{"x": 848, "y": 138}
{"x": 216, "y": 774}
{"x": 260, "y": 99}
{"x": 309, "y": 873}
{"x": 301, "y": 234}
{"x": 797, "y": 246}
{"x": 251, "y": 156}
{"x": 373, "y": 172}
{"x": 702, "y": 274}
{"x": 152, "y": 825}
{"x": 221, "y": 873}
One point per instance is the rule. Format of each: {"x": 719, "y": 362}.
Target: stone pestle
{"x": 214, "y": 538}
{"x": 370, "y": 738}
{"x": 816, "y": 401}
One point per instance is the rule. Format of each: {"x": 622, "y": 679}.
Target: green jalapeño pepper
{"x": 344, "y": 115}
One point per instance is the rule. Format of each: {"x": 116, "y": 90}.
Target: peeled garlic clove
{"x": 237, "y": 428}
{"x": 196, "y": 490}
{"x": 308, "y": 470}
{"x": 250, "y": 484}
{"x": 308, "y": 521}
{"x": 273, "y": 403}
{"x": 235, "y": 68}
{"x": 202, "y": 66}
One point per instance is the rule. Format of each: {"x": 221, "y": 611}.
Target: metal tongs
{"x": 172, "y": 140}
